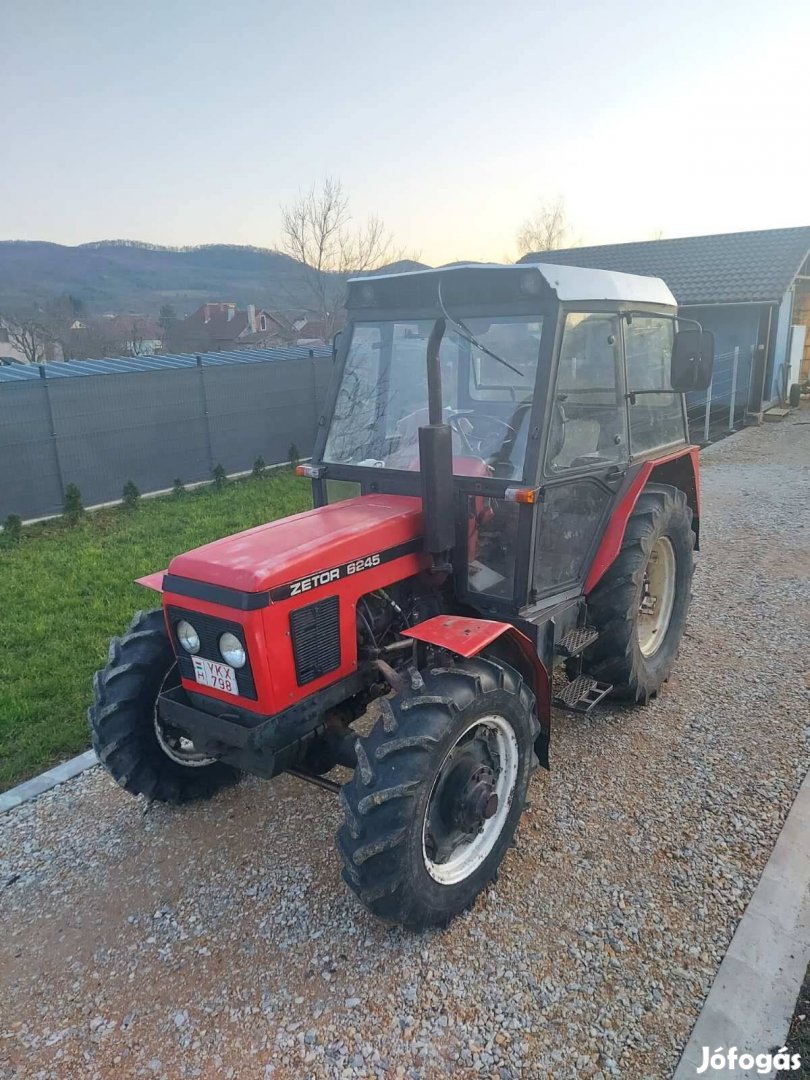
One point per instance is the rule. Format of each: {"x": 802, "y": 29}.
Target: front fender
{"x": 152, "y": 581}
{"x": 469, "y": 637}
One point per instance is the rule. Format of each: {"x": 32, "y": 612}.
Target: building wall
{"x": 801, "y": 317}
{"x": 735, "y": 326}
{"x": 775, "y": 389}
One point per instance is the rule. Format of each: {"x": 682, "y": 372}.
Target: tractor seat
{"x": 580, "y": 440}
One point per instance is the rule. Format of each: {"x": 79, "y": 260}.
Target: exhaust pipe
{"x": 436, "y": 459}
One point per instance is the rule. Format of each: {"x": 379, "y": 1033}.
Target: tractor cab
{"x": 552, "y": 382}
{"x": 502, "y": 485}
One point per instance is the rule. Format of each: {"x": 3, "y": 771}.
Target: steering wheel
{"x": 486, "y": 434}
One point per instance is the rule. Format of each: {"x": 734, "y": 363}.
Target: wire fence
{"x": 100, "y": 431}
{"x": 723, "y": 407}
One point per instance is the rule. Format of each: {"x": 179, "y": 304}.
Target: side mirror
{"x": 692, "y": 360}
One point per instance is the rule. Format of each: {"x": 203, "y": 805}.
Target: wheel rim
{"x": 657, "y": 597}
{"x": 173, "y": 742}
{"x": 470, "y": 799}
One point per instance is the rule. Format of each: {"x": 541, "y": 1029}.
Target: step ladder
{"x": 581, "y": 694}
{"x": 576, "y": 641}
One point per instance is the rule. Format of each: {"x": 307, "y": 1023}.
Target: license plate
{"x": 216, "y": 675}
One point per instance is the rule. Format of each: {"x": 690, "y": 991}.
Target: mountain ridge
{"x": 135, "y": 276}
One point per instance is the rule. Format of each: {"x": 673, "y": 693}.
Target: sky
{"x": 192, "y": 121}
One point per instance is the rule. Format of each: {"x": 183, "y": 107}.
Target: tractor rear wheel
{"x": 141, "y": 753}
{"x": 437, "y": 793}
{"x": 640, "y": 605}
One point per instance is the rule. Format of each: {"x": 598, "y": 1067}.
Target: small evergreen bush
{"x": 130, "y": 496}
{"x": 72, "y": 507}
{"x": 12, "y": 529}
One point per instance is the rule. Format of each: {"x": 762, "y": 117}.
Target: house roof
{"x": 218, "y": 326}
{"x": 724, "y": 268}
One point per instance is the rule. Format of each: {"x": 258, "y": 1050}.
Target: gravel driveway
{"x": 218, "y": 940}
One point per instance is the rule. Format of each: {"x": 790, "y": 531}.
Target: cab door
{"x": 586, "y": 455}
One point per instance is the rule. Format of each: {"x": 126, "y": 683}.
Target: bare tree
{"x": 318, "y": 231}
{"x": 134, "y": 336}
{"x": 167, "y": 320}
{"x": 28, "y": 333}
{"x": 101, "y": 338}
{"x": 547, "y": 230}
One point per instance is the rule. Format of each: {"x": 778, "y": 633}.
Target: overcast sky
{"x": 191, "y": 121}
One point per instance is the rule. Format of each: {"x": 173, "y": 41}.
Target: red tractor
{"x": 502, "y": 483}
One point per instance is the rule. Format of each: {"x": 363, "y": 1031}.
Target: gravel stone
{"x": 217, "y": 940}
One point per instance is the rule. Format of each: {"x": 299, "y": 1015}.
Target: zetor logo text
{"x": 337, "y": 572}
{"x": 730, "y": 1060}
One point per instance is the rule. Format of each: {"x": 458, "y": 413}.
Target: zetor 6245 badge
{"x": 323, "y": 577}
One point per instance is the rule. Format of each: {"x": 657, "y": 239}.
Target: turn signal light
{"x": 312, "y": 471}
{"x": 528, "y": 496}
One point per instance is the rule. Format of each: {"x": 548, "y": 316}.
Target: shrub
{"x": 130, "y": 496}
{"x": 72, "y": 507}
{"x": 295, "y": 456}
{"x": 12, "y": 529}
{"x": 220, "y": 478}
{"x": 259, "y": 466}
{"x": 179, "y": 487}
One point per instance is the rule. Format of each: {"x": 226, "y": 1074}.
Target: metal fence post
{"x": 52, "y": 428}
{"x": 708, "y": 416}
{"x": 734, "y": 364}
{"x": 204, "y": 400}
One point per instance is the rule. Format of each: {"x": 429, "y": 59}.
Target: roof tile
{"x": 720, "y": 269}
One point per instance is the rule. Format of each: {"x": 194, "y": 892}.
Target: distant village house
{"x": 220, "y": 326}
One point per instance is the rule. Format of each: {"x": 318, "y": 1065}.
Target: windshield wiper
{"x": 467, "y": 334}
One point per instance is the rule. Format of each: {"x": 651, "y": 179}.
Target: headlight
{"x": 232, "y": 650}
{"x": 188, "y": 636}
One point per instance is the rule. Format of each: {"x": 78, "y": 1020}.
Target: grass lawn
{"x": 65, "y": 591}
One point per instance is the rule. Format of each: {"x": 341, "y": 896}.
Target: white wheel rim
{"x": 658, "y": 597}
{"x": 179, "y": 748}
{"x": 466, "y": 858}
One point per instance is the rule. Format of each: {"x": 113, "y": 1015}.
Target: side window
{"x": 588, "y": 415}
{"x": 656, "y": 419}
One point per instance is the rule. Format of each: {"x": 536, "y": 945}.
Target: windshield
{"x": 382, "y": 400}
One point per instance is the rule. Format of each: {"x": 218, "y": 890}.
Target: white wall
{"x": 780, "y": 356}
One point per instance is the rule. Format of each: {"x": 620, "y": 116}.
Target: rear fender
{"x": 470, "y": 637}
{"x": 680, "y": 470}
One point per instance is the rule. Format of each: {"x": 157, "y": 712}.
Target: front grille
{"x": 210, "y": 630}
{"x": 315, "y": 631}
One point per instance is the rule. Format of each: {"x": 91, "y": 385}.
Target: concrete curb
{"x": 751, "y": 1002}
{"x": 47, "y": 780}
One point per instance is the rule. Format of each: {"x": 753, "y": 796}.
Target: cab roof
{"x": 568, "y": 283}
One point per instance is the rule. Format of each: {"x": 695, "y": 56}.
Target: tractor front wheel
{"x": 140, "y": 752}
{"x": 437, "y": 793}
{"x": 640, "y": 605}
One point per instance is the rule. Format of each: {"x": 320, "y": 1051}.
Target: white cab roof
{"x": 581, "y": 283}
{"x": 572, "y": 283}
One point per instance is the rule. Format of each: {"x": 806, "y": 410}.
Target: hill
{"x": 116, "y": 275}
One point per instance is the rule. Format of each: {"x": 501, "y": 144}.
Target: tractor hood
{"x": 314, "y": 542}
